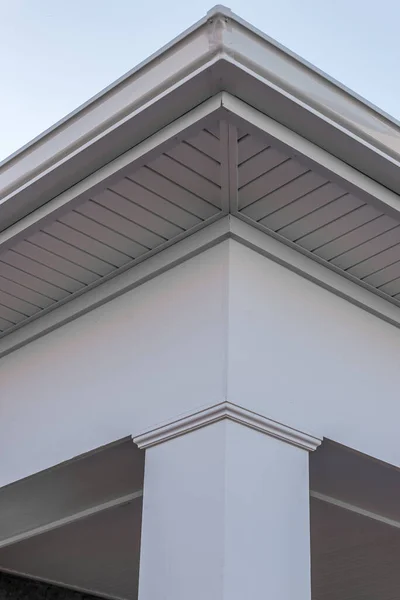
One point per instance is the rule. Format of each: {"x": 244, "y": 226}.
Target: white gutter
{"x": 36, "y": 173}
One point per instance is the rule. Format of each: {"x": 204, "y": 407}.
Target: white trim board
{"x": 226, "y": 227}
{"x": 219, "y": 53}
{"x": 355, "y": 509}
{"x": 83, "y": 514}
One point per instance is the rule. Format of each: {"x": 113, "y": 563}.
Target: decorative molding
{"x": 233, "y": 412}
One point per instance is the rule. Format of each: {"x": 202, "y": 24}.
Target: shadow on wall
{"x": 20, "y": 588}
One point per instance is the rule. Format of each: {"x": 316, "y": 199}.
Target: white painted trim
{"x": 197, "y": 44}
{"x": 151, "y": 81}
{"x": 229, "y": 164}
{"x": 219, "y": 38}
{"x": 355, "y": 509}
{"x": 187, "y": 125}
{"x": 295, "y": 145}
{"x": 119, "y": 282}
{"x": 225, "y": 227}
{"x": 83, "y": 514}
{"x": 233, "y": 412}
{"x": 317, "y": 271}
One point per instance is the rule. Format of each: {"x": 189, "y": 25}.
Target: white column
{"x": 225, "y": 509}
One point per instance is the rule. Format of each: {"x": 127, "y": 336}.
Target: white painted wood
{"x": 125, "y": 163}
{"x": 339, "y": 227}
{"x": 229, "y": 167}
{"x": 11, "y": 315}
{"x": 377, "y": 262}
{"x": 23, "y": 278}
{"x": 268, "y": 182}
{"x": 125, "y": 280}
{"x": 355, "y": 509}
{"x": 58, "y": 247}
{"x": 261, "y": 163}
{"x": 22, "y": 292}
{"x": 5, "y": 324}
{"x": 194, "y": 63}
{"x": 248, "y": 147}
{"x": 161, "y": 186}
{"x": 225, "y": 515}
{"x": 164, "y": 208}
{"x": 16, "y": 303}
{"x": 56, "y": 262}
{"x": 220, "y": 412}
{"x": 213, "y": 128}
{"x": 392, "y": 288}
{"x": 163, "y": 200}
{"x": 285, "y": 194}
{"x": 40, "y": 271}
{"x": 342, "y": 362}
{"x": 320, "y": 217}
{"x": 187, "y": 179}
{"x": 357, "y": 237}
{"x": 215, "y": 233}
{"x": 134, "y": 222}
{"x": 119, "y": 245}
{"x": 368, "y": 249}
{"x": 113, "y": 386}
{"x": 86, "y": 243}
{"x": 302, "y": 207}
{"x": 385, "y": 275}
{"x": 198, "y": 161}
{"x": 264, "y": 301}
{"x": 83, "y": 514}
{"x": 206, "y": 143}
{"x": 341, "y": 172}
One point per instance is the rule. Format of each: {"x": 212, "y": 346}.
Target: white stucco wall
{"x": 154, "y": 352}
{"x": 303, "y": 356}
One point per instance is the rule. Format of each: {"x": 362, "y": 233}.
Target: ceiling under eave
{"x": 215, "y": 164}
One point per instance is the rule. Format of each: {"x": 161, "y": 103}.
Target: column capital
{"x": 233, "y": 412}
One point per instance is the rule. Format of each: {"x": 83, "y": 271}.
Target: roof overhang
{"x": 248, "y": 110}
{"x": 219, "y": 53}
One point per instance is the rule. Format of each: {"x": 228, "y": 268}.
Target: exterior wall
{"x": 303, "y": 356}
{"x": 154, "y": 352}
{"x": 293, "y": 351}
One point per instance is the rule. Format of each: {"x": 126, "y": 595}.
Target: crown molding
{"x": 233, "y": 412}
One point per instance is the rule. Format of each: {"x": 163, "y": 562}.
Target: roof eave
{"x": 220, "y": 52}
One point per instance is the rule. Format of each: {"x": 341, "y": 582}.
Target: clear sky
{"x": 56, "y": 54}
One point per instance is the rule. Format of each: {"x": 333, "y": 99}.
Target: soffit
{"x": 220, "y": 158}
{"x": 173, "y": 194}
{"x": 304, "y": 207}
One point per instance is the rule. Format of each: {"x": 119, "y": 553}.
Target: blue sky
{"x": 58, "y": 53}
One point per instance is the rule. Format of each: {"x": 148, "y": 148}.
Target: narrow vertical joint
{"x": 229, "y": 167}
